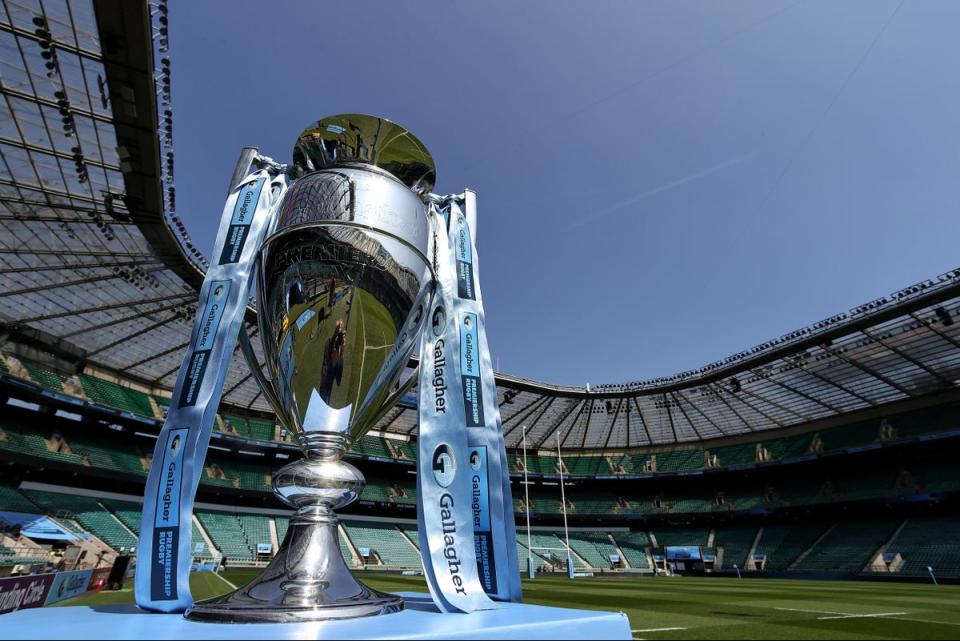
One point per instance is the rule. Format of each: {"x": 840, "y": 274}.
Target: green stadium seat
{"x": 681, "y": 536}
{"x": 47, "y": 379}
{"x": 849, "y": 546}
{"x": 88, "y": 513}
{"x": 679, "y": 461}
{"x": 736, "y": 542}
{"x": 386, "y": 540}
{"x": 111, "y": 394}
{"x": 929, "y": 541}
{"x": 229, "y": 535}
{"x": 634, "y": 547}
{"x": 782, "y": 544}
{"x": 595, "y": 547}
{"x": 12, "y": 501}
{"x": 736, "y": 454}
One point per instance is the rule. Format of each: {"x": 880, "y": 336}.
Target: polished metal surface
{"x": 306, "y": 581}
{"x": 342, "y": 289}
{"x": 340, "y": 141}
{"x": 342, "y": 292}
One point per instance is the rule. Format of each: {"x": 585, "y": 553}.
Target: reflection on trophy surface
{"x": 342, "y": 292}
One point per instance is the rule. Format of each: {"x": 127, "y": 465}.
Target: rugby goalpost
{"x": 531, "y": 569}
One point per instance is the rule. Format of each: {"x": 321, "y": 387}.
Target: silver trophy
{"x": 343, "y": 289}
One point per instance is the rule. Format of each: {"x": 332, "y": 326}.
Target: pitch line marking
{"x": 224, "y": 580}
{"x": 658, "y": 630}
{"x": 813, "y": 611}
{"x": 863, "y": 616}
{"x": 928, "y": 621}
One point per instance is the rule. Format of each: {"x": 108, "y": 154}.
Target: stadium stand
{"x": 12, "y": 501}
{"x": 107, "y": 393}
{"x": 857, "y": 434}
{"x": 88, "y": 513}
{"x": 681, "y": 536}
{"x": 847, "y": 547}
{"x": 594, "y": 548}
{"x": 229, "y": 534}
{"x": 634, "y": 546}
{"x": 927, "y": 541}
{"x": 782, "y": 544}
{"x": 385, "y": 543}
{"x": 736, "y": 542}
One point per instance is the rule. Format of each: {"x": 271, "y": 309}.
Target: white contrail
{"x": 673, "y": 184}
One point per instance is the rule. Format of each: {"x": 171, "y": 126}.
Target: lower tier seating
{"x": 384, "y": 541}
{"x": 929, "y": 542}
{"x": 782, "y": 544}
{"x": 848, "y": 546}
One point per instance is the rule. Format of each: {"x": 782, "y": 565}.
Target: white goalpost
{"x": 531, "y": 573}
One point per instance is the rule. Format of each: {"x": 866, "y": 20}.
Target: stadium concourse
{"x": 828, "y": 452}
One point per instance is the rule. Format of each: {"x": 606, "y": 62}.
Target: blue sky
{"x": 661, "y": 184}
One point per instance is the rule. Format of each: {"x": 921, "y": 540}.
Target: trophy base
{"x": 225, "y": 610}
{"x": 419, "y": 620}
{"x": 306, "y": 581}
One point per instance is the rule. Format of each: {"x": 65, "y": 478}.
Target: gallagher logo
{"x": 444, "y": 465}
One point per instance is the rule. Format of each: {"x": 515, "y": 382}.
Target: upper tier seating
{"x": 48, "y": 379}
{"x": 105, "y": 392}
{"x": 861, "y": 433}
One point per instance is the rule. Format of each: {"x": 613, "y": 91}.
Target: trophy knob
{"x": 318, "y": 488}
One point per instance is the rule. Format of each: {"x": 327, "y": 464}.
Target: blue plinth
{"x": 420, "y": 620}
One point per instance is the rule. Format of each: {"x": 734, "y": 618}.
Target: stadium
{"x": 805, "y": 487}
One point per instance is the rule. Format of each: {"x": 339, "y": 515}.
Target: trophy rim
{"x": 307, "y": 158}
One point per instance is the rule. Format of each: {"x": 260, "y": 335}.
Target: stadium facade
{"x": 831, "y": 449}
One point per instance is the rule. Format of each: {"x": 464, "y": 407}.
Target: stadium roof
{"x": 99, "y": 269}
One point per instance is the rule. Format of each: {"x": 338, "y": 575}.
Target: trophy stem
{"x": 307, "y": 580}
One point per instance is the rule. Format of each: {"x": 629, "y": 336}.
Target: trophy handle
{"x": 266, "y": 387}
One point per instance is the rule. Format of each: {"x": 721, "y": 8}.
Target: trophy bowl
{"x": 343, "y": 289}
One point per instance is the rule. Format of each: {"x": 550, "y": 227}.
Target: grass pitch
{"x": 706, "y": 608}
